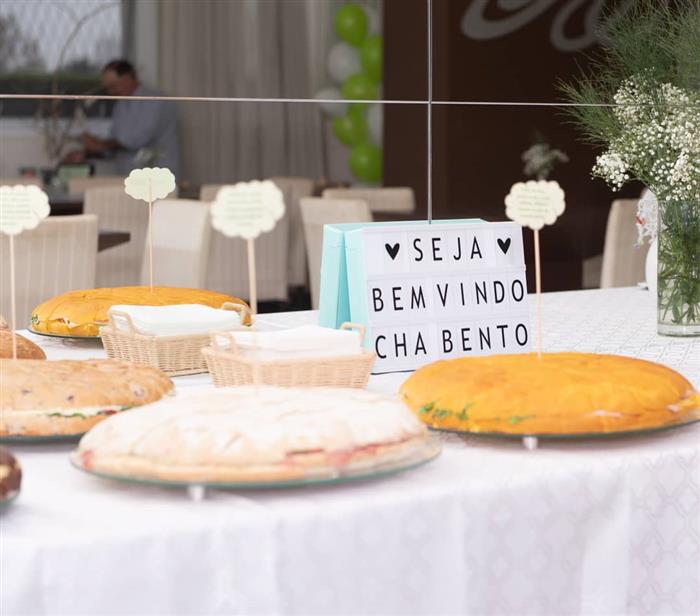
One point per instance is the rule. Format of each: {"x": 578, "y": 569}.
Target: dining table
{"x": 607, "y": 525}
{"x": 65, "y": 204}
{"x": 107, "y": 239}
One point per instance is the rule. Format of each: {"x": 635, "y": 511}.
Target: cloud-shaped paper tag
{"x": 247, "y": 209}
{"x": 22, "y": 208}
{"x": 150, "y": 183}
{"x": 535, "y": 204}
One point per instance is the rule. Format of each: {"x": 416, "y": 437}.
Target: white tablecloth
{"x": 594, "y": 527}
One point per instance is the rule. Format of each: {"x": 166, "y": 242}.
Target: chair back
{"x": 181, "y": 234}
{"x": 317, "y": 212}
{"x": 380, "y": 200}
{"x": 79, "y": 185}
{"x": 55, "y": 257}
{"x": 117, "y": 211}
{"x": 294, "y": 189}
{"x": 227, "y": 271}
{"x": 20, "y": 181}
{"x": 623, "y": 260}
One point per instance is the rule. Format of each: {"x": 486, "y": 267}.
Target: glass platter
{"x": 427, "y": 451}
{"x": 63, "y": 336}
{"x": 687, "y": 419}
{"x": 4, "y": 504}
{"x": 37, "y": 440}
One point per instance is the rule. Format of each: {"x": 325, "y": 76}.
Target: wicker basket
{"x": 174, "y": 355}
{"x": 229, "y": 368}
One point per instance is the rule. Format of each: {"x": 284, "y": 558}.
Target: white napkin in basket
{"x": 181, "y": 319}
{"x": 299, "y": 342}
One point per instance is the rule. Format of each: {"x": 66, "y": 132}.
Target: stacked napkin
{"x": 180, "y": 319}
{"x": 308, "y": 341}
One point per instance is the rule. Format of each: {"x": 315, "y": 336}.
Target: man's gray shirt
{"x": 147, "y": 131}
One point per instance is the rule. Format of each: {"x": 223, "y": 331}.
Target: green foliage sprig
{"x": 652, "y": 39}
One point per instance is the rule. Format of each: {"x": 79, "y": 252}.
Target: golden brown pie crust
{"x": 26, "y": 349}
{"x": 559, "y": 393}
{"x": 81, "y": 313}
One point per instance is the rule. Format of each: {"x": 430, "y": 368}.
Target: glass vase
{"x": 678, "y": 290}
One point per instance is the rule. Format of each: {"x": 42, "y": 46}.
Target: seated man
{"x": 143, "y": 133}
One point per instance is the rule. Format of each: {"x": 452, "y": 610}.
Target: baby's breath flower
{"x": 658, "y": 141}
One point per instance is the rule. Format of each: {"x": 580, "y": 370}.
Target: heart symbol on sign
{"x": 504, "y": 245}
{"x": 392, "y": 250}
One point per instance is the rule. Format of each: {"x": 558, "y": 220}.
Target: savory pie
{"x": 559, "y": 393}
{"x": 26, "y": 349}
{"x": 254, "y": 434}
{"x": 47, "y": 398}
{"x": 81, "y": 313}
{"x": 10, "y": 475}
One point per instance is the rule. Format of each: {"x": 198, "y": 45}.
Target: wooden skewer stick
{"x": 253, "y": 292}
{"x": 13, "y": 300}
{"x": 150, "y": 236}
{"x": 252, "y": 281}
{"x": 538, "y": 296}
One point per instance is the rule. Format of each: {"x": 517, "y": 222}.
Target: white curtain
{"x": 250, "y": 48}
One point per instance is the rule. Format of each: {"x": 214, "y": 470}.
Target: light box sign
{"x": 428, "y": 292}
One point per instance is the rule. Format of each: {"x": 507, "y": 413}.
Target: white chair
{"x": 294, "y": 189}
{"x": 380, "y": 200}
{"x": 317, "y": 212}
{"x": 117, "y": 211}
{"x": 58, "y": 256}
{"x": 21, "y": 181}
{"x": 78, "y": 186}
{"x": 227, "y": 271}
{"x": 623, "y": 260}
{"x": 181, "y": 233}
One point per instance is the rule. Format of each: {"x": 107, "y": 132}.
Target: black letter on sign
{"x": 397, "y": 299}
{"x": 436, "y": 249}
{"x": 420, "y": 345}
{"x": 376, "y": 346}
{"x": 443, "y": 298}
{"x": 417, "y": 301}
{"x": 481, "y": 292}
{"x": 519, "y": 284}
{"x": 503, "y": 334}
{"x": 475, "y": 249}
{"x": 524, "y": 331}
{"x": 465, "y": 339}
{"x": 497, "y": 284}
{"x": 377, "y": 298}
{"x": 400, "y": 345}
{"x": 486, "y": 338}
{"x": 417, "y": 248}
{"x": 458, "y": 256}
{"x": 447, "y": 339}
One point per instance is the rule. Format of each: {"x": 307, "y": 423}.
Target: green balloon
{"x": 359, "y": 87}
{"x": 371, "y": 57}
{"x": 357, "y": 110}
{"x": 366, "y": 162}
{"x": 350, "y": 130}
{"x": 351, "y": 24}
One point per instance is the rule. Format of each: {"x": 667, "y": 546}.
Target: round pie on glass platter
{"x": 26, "y": 349}
{"x": 10, "y": 477}
{"x": 80, "y": 314}
{"x": 557, "y": 394}
{"x": 47, "y": 400}
{"x": 258, "y": 435}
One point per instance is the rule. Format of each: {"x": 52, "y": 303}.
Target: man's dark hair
{"x": 120, "y": 67}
